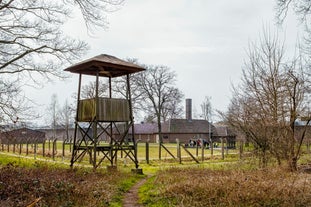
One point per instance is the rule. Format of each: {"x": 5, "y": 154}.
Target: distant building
{"x": 59, "y": 133}
{"x": 183, "y": 130}
{"x": 226, "y": 133}
{"x": 22, "y": 135}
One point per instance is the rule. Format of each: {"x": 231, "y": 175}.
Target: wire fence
{"x": 146, "y": 152}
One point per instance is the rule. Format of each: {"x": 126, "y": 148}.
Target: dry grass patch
{"x": 60, "y": 187}
{"x": 203, "y": 187}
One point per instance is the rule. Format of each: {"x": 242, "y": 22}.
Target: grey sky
{"x": 204, "y": 41}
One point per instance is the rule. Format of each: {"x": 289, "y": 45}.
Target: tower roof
{"x": 105, "y": 65}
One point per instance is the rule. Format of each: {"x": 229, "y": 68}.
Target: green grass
{"x": 166, "y": 159}
{"x": 168, "y": 175}
{"x": 148, "y": 195}
{"x": 141, "y": 153}
{"x": 123, "y": 187}
{"x": 29, "y": 162}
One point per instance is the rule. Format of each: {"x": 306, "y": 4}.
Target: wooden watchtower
{"x": 104, "y": 116}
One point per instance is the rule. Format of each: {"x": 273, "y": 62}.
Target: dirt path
{"x": 131, "y": 197}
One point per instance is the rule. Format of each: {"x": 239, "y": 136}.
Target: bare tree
{"x": 206, "y": 108}
{"x": 172, "y": 108}
{"x": 13, "y": 103}
{"x": 93, "y": 12}
{"x": 53, "y": 110}
{"x": 240, "y": 116}
{"x": 267, "y": 104}
{"x": 66, "y": 117}
{"x": 120, "y": 89}
{"x": 300, "y": 7}
{"x": 161, "y": 97}
{"x": 297, "y": 105}
{"x": 9, "y": 105}
{"x": 33, "y": 47}
{"x": 89, "y": 90}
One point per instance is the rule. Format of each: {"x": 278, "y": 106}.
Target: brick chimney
{"x": 189, "y": 109}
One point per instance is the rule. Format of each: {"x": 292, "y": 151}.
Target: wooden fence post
{"x": 222, "y": 149}
{"x": 197, "y": 148}
{"x": 147, "y": 151}
{"x": 49, "y": 145}
{"x": 178, "y": 151}
{"x": 35, "y": 148}
{"x": 241, "y": 149}
{"x": 70, "y": 145}
{"x": 212, "y": 149}
{"x": 14, "y": 144}
{"x": 43, "y": 148}
{"x": 227, "y": 149}
{"x": 27, "y": 146}
{"x": 63, "y": 153}
{"x": 160, "y": 148}
{"x": 20, "y": 147}
{"x": 203, "y": 147}
{"x": 54, "y": 149}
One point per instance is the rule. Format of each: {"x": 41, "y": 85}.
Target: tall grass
{"x": 204, "y": 187}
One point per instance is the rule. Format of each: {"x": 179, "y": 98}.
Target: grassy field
{"x": 65, "y": 155}
{"x": 214, "y": 182}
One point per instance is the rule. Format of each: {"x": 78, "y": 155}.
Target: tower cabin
{"x": 101, "y": 116}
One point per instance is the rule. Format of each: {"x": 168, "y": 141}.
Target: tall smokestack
{"x": 188, "y": 109}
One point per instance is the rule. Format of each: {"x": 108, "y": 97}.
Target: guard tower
{"x": 104, "y": 116}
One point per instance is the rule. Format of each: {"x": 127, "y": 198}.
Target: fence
{"x": 47, "y": 148}
{"x": 146, "y": 152}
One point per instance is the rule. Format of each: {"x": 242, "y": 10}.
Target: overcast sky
{"x": 204, "y": 41}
